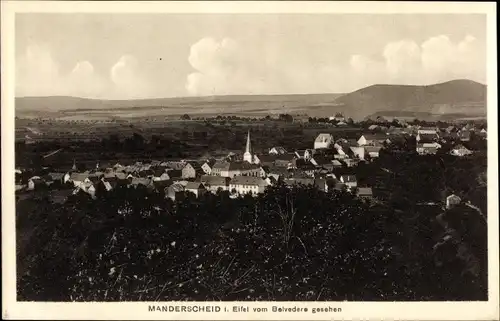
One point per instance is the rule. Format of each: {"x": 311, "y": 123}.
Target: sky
{"x": 132, "y": 56}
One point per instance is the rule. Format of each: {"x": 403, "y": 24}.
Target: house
{"x": 144, "y": 167}
{"x": 247, "y": 185}
{"x": 306, "y": 154}
{"x": 320, "y": 184}
{"x": 294, "y": 181}
{"x": 86, "y": 187}
{"x": 365, "y": 192}
{"x": 468, "y": 127}
{"x": 451, "y": 129}
{"x": 207, "y": 166}
{"x": 105, "y": 184}
{"x": 358, "y": 152}
{"x": 59, "y": 177}
{"x": 426, "y": 137}
{"x": 336, "y": 163}
{"x": 35, "y": 182}
{"x": 79, "y": 178}
{"x": 197, "y": 188}
{"x": 276, "y": 171}
{"x": 349, "y": 162}
{"x": 174, "y": 191}
{"x": 465, "y": 135}
{"x": 320, "y": 160}
{"x": 271, "y": 180}
{"x": 277, "y": 150}
{"x": 343, "y": 145}
{"x": 177, "y": 165}
{"x": 339, "y": 117}
{"x": 191, "y": 170}
{"x": 220, "y": 168}
{"x": 483, "y": 132}
{"x": 349, "y": 180}
{"x": 327, "y": 167}
{"x": 141, "y": 182}
{"x": 214, "y": 183}
{"x": 373, "y": 151}
{"x": 371, "y": 139}
{"x": 426, "y": 150}
{"x": 395, "y": 131}
{"x": 337, "y": 186}
{"x": 452, "y": 201}
{"x": 381, "y": 120}
{"x": 155, "y": 163}
{"x": 175, "y": 174}
{"x": 284, "y": 160}
{"x": 146, "y": 173}
{"x": 118, "y": 166}
{"x": 306, "y": 169}
{"x": 265, "y": 160}
{"x": 433, "y": 144}
{"x": 231, "y": 169}
{"x": 19, "y": 187}
{"x": 323, "y": 141}
{"x": 427, "y": 131}
{"x": 120, "y": 176}
{"x": 341, "y": 124}
{"x": 460, "y": 150}
{"x": 116, "y": 181}
{"x": 161, "y": 186}
{"x": 161, "y": 175}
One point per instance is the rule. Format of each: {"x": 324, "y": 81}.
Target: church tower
{"x": 247, "y": 157}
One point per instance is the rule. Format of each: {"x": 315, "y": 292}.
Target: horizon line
{"x": 254, "y": 95}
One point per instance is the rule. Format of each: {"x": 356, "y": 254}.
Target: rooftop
{"x": 194, "y": 185}
{"x": 323, "y": 138}
{"x": 247, "y": 180}
{"x": 215, "y": 180}
{"x": 365, "y": 191}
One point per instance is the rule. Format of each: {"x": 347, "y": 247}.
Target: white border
{"x": 350, "y": 310}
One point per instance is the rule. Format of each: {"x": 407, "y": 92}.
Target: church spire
{"x": 248, "y": 150}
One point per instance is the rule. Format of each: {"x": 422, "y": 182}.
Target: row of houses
{"x": 237, "y": 185}
{"x": 429, "y": 140}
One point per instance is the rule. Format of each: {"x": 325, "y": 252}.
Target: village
{"x": 330, "y": 164}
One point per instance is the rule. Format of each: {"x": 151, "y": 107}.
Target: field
{"x": 105, "y": 141}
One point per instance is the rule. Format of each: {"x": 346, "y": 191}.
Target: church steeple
{"x": 248, "y": 150}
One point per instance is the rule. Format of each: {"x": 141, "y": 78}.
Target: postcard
{"x": 248, "y": 160}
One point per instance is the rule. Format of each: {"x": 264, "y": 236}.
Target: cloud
{"x": 227, "y": 67}
{"x": 128, "y": 81}
{"x": 231, "y": 67}
{"x": 221, "y": 68}
{"x": 437, "y": 59}
{"x": 82, "y": 81}
{"x": 39, "y": 74}
{"x": 402, "y": 60}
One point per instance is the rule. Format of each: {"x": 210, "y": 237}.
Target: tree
{"x": 185, "y": 117}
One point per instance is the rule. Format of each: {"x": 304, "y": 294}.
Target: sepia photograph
{"x": 208, "y": 156}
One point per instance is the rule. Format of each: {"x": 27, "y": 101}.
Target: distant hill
{"x": 64, "y": 103}
{"x": 453, "y": 97}
{"x": 456, "y": 98}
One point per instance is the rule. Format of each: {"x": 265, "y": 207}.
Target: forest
{"x": 286, "y": 244}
